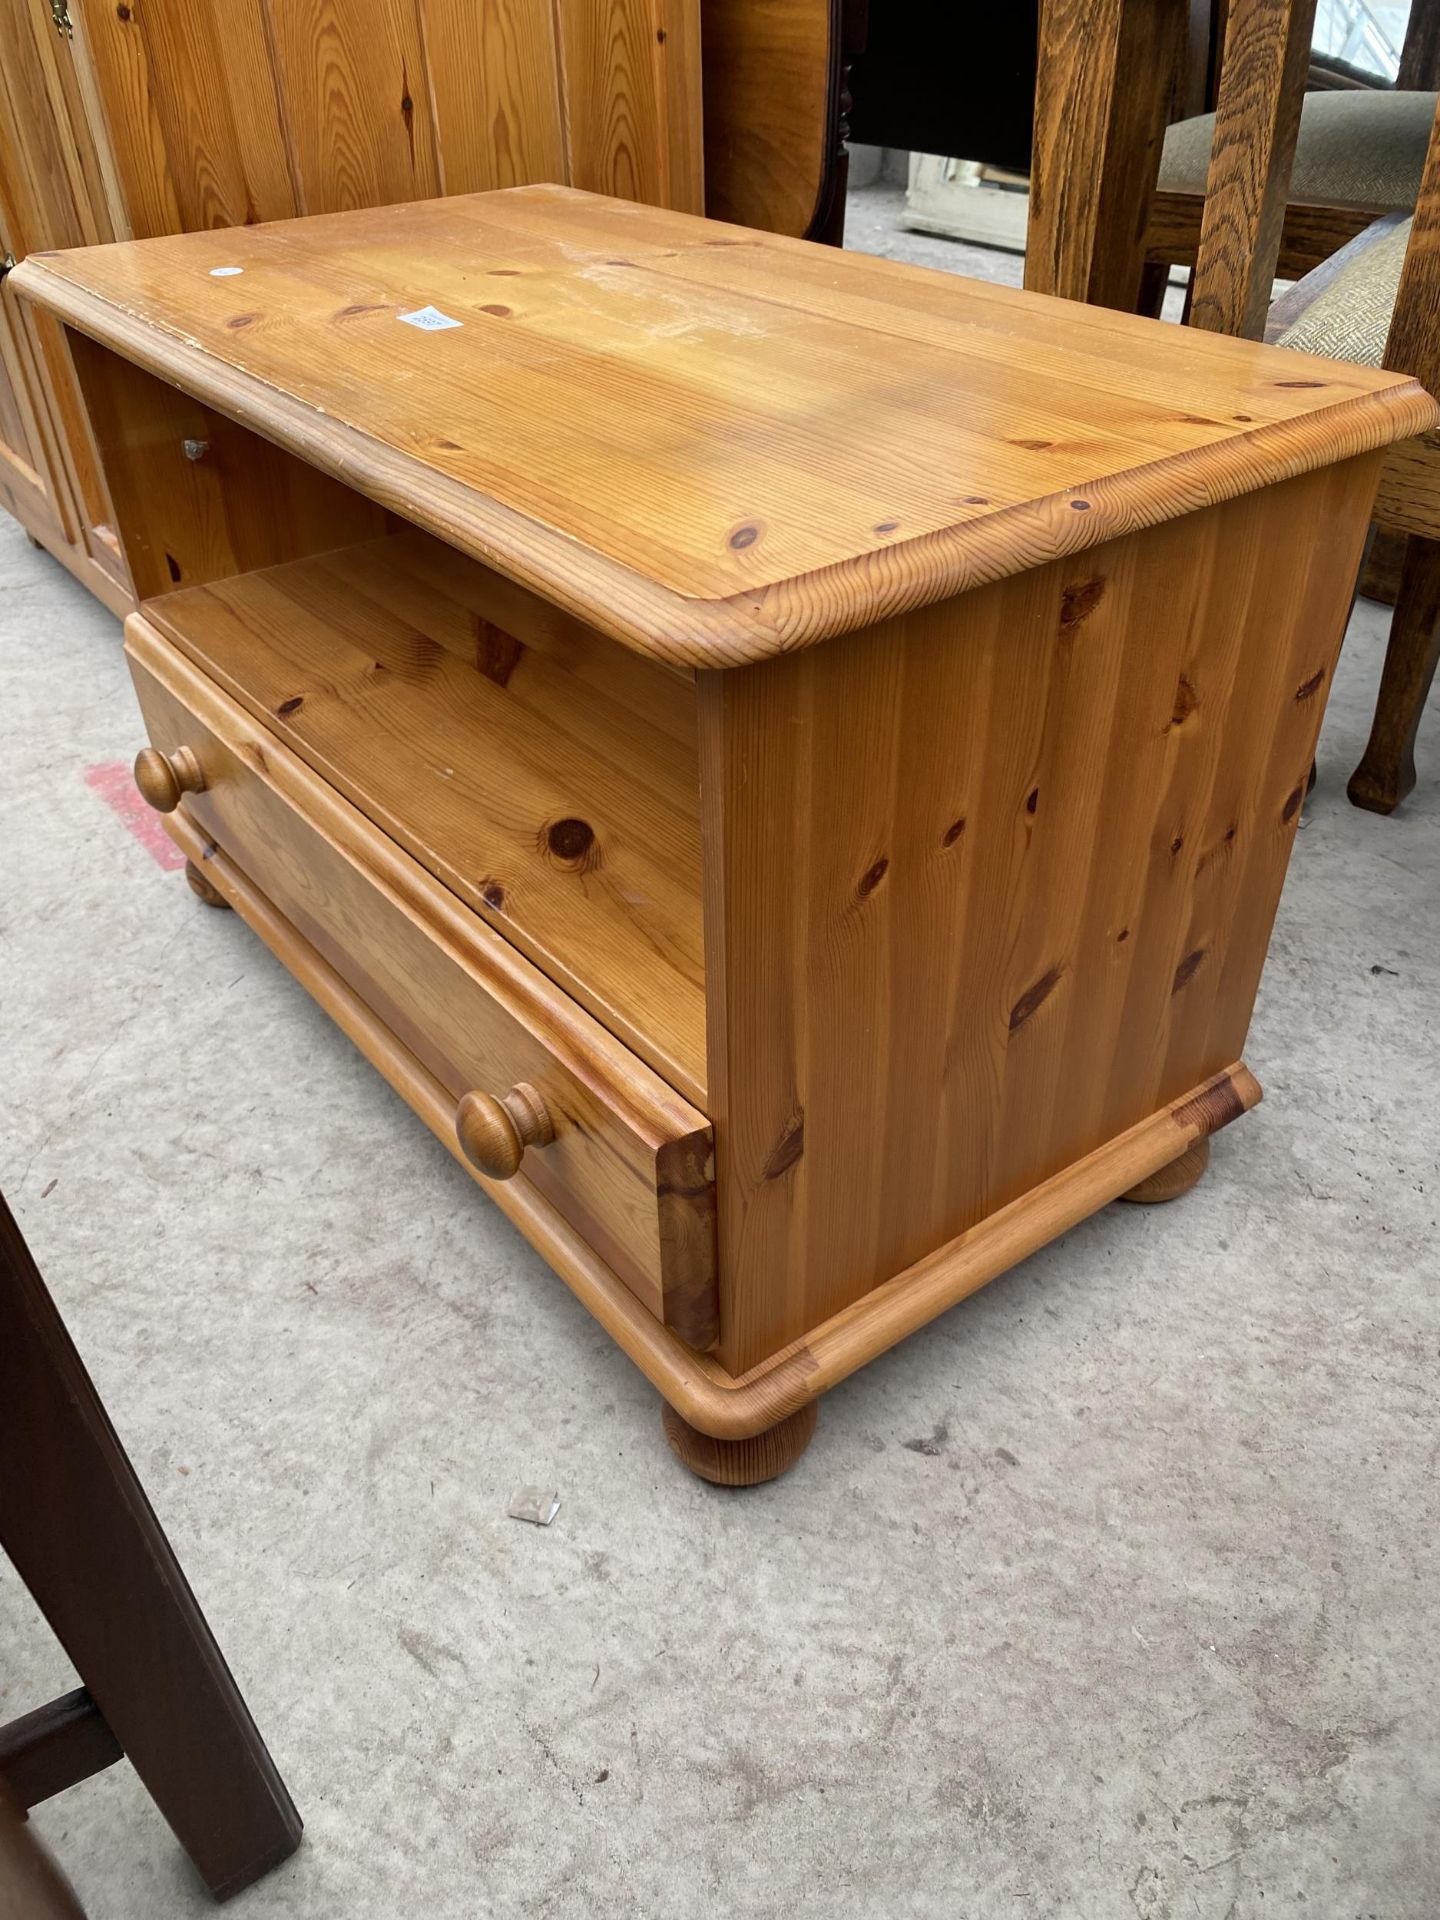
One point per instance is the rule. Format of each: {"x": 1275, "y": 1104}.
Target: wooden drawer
{"x": 630, "y": 1163}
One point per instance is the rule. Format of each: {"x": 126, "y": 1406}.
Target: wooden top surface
{"x": 714, "y": 445}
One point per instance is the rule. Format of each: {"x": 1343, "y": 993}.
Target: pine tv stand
{"x": 787, "y": 761}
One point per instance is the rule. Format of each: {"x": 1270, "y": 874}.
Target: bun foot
{"x": 1170, "y": 1182}
{"x": 200, "y": 885}
{"x": 740, "y": 1463}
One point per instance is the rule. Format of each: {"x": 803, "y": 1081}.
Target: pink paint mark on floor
{"x": 115, "y": 784}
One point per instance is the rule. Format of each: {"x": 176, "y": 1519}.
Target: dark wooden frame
{"x": 83, "y": 1537}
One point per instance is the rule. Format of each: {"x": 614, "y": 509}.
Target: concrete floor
{"x": 1112, "y": 1594}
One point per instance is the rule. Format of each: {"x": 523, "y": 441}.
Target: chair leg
{"x": 1386, "y": 772}
{"x": 75, "y": 1521}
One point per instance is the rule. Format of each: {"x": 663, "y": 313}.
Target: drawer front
{"x": 630, "y": 1163}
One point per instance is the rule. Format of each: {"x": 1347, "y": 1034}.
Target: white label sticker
{"x": 430, "y": 320}
{"x": 224, "y": 273}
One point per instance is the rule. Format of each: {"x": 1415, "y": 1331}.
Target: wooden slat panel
{"x": 357, "y": 106}
{"x": 548, "y": 777}
{"x": 631, "y": 74}
{"x": 51, "y": 195}
{"x": 495, "y": 92}
{"x": 195, "y": 137}
{"x": 43, "y": 188}
{"x": 49, "y": 177}
{"x": 14, "y": 434}
{"x": 991, "y": 884}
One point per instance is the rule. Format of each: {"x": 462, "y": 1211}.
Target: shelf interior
{"x": 546, "y": 775}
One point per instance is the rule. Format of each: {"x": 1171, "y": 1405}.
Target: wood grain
{"x": 191, "y": 122}
{"x": 494, "y": 80}
{"x": 740, "y": 1463}
{"x": 631, "y": 78}
{"x": 47, "y": 175}
{"x": 1106, "y": 72}
{"x": 696, "y": 1384}
{"x": 51, "y": 181}
{"x": 1412, "y": 342}
{"x": 1409, "y": 499}
{"x": 30, "y": 485}
{"x": 168, "y": 115}
{"x": 1182, "y": 1176}
{"x": 358, "y": 109}
{"x": 1308, "y": 235}
{"x": 549, "y": 778}
{"x": 987, "y": 886}
{"x": 725, "y": 446}
{"x": 987, "y": 879}
{"x": 772, "y": 84}
{"x": 1257, "y": 122}
{"x": 629, "y": 1160}
{"x": 240, "y": 503}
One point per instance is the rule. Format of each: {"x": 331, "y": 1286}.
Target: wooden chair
{"x": 1378, "y": 303}
{"x": 75, "y": 1522}
{"x": 1359, "y": 153}
{"x": 1101, "y": 116}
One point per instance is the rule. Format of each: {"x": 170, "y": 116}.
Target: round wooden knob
{"x": 163, "y": 777}
{"x": 494, "y": 1134}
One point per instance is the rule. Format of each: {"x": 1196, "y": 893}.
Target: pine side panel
{"x": 631, "y": 78}
{"x": 991, "y": 883}
{"x": 494, "y": 82}
{"x": 242, "y": 504}
{"x": 193, "y": 129}
{"x": 356, "y": 100}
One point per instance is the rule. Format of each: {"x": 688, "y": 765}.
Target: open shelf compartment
{"x": 544, "y": 774}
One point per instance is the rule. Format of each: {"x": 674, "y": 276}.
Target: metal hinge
{"x": 60, "y": 14}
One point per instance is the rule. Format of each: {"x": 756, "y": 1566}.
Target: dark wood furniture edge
{"x": 55, "y": 1747}
{"x": 847, "y": 38}
{"x": 83, "y": 1537}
